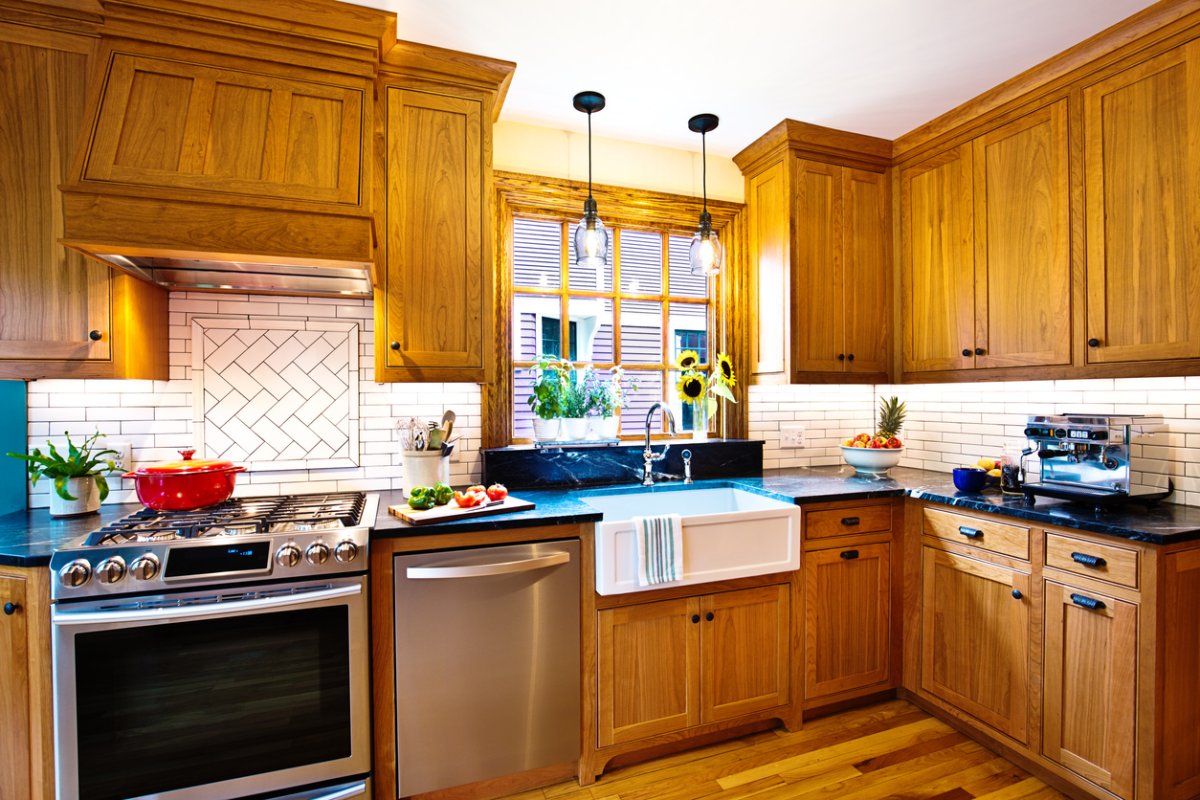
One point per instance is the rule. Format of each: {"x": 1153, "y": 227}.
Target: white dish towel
{"x": 659, "y": 548}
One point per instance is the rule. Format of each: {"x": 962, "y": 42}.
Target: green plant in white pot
{"x": 577, "y": 401}
{"x": 546, "y": 396}
{"x": 79, "y": 483}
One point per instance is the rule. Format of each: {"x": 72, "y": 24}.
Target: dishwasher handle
{"x": 491, "y": 568}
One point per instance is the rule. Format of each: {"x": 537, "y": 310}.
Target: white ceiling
{"x": 879, "y": 67}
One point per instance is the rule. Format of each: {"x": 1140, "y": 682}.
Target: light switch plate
{"x": 791, "y": 435}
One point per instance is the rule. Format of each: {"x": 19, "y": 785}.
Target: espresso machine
{"x": 1088, "y": 458}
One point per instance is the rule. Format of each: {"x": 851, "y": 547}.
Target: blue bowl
{"x": 969, "y": 479}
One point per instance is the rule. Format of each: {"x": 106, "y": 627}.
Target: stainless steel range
{"x": 222, "y": 653}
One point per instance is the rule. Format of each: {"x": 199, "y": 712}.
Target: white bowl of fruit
{"x": 874, "y": 455}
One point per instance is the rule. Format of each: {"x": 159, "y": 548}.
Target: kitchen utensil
{"x": 447, "y": 449}
{"x": 420, "y": 439}
{"x": 448, "y": 425}
{"x": 184, "y": 485}
{"x": 969, "y": 479}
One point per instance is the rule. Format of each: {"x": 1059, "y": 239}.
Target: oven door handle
{"x": 209, "y": 609}
{"x": 342, "y": 793}
{"x": 491, "y": 568}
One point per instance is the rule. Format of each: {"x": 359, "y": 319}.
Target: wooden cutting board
{"x": 450, "y": 512}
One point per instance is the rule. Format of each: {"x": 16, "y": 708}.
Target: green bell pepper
{"x": 442, "y": 493}
{"x": 421, "y": 498}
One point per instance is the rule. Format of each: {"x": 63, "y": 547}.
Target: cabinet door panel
{"x": 818, "y": 313}
{"x": 15, "y": 775}
{"x": 648, "y": 659}
{"x": 975, "y": 638}
{"x": 770, "y": 231}
{"x": 938, "y": 302}
{"x": 744, "y": 651}
{"x": 50, "y": 297}
{"x": 847, "y": 619}
{"x": 1023, "y": 242}
{"x": 866, "y": 238}
{"x": 438, "y": 292}
{"x": 1142, "y": 155}
{"x": 1090, "y": 683}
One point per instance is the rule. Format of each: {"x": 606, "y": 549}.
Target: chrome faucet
{"x": 648, "y": 455}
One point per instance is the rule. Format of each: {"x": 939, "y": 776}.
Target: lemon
{"x": 995, "y": 473}
{"x": 987, "y": 463}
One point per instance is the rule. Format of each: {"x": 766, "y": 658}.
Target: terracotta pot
{"x": 184, "y": 485}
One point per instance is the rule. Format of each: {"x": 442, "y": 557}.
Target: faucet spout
{"x": 648, "y": 455}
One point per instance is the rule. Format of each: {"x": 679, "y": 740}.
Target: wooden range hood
{"x": 239, "y": 162}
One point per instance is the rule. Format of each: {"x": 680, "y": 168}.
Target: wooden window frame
{"x": 534, "y": 197}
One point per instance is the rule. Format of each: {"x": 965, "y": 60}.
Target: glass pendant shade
{"x": 706, "y": 253}
{"x": 591, "y": 241}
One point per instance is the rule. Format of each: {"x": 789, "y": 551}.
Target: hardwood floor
{"x": 891, "y": 750}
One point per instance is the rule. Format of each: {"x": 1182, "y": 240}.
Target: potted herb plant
{"x": 577, "y": 402}
{"x": 608, "y": 398}
{"x": 701, "y": 387}
{"x": 546, "y": 397}
{"x": 79, "y": 484}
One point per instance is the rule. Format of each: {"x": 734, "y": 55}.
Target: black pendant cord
{"x": 704, "y": 170}
{"x": 589, "y": 116}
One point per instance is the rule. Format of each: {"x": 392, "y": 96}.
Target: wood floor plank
{"x": 1027, "y": 789}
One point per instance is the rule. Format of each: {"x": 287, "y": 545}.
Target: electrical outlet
{"x": 791, "y": 434}
{"x": 124, "y": 457}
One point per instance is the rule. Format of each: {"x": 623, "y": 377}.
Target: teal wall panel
{"x": 13, "y": 438}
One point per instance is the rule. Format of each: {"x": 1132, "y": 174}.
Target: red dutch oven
{"x": 185, "y": 485}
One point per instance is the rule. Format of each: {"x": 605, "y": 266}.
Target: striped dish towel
{"x": 659, "y": 548}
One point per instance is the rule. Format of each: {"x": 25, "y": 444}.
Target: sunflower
{"x": 691, "y": 387}
{"x": 725, "y": 370}
{"x": 687, "y": 359}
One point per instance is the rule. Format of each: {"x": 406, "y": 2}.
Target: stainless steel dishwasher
{"x": 487, "y": 662}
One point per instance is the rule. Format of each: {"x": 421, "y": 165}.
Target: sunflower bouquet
{"x": 702, "y": 386}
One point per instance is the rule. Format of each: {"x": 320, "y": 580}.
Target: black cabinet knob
{"x": 709, "y": 616}
{"x": 850, "y": 357}
{"x": 1093, "y": 342}
{"x": 11, "y": 608}
{"x": 979, "y": 351}
{"x": 841, "y": 356}
{"x": 966, "y": 351}
{"x": 394, "y": 345}
{"x": 695, "y": 618}
{"x": 1016, "y": 593}
{"x": 95, "y": 336}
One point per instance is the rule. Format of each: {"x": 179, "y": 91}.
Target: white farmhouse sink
{"x": 727, "y": 533}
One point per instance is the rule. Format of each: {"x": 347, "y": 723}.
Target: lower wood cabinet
{"x": 26, "y": 746}
{"x": 1089, "y": 685}
{"x": 847, "y": 619}
{"x": 975, "y": 637}
{"x": 670, "y": 665}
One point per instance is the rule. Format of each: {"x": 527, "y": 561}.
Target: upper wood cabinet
{"x": 986, "y": 250}
{"x": 177, "y": 122}
{"x": 61, "y": 315}
{"x": 1142, "y": 158}
{"x": 819, "y": 216}
{"x": 433, "y": 303}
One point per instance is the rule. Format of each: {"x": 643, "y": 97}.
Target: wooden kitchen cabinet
{"x": 986, "y": 250}
{"x": 975, "y": 637}
{"x": 434, "y": 301}
{"x": 61, "y": 315}
{"x": 669, "y": 665}
{"x": 26, "y": 747}
{"x": 1142, "y": 158}
{"x": 1090, "y": 685}
{"x": 820, "y": 252}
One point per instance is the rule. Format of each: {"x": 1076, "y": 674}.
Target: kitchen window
{"x": 638, "y": 311}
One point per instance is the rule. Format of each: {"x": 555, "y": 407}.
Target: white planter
{"x": 423, "y": 468}
{"x": 872, "y": 462}
{"x": 608, "y": 427}
{"x": 87, "y": 501}
{"x": 574, "y": 429}
{"x": 545, "y": 430}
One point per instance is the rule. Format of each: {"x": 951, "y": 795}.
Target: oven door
{"x": 211, "y": 694}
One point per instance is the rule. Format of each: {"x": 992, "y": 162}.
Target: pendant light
{"x": 591, "y": 237}
{"x": 706, "y": 253}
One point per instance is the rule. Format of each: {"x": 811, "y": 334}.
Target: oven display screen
{"x": 242, "y": 557}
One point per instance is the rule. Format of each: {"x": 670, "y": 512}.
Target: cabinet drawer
{"x": 1101, "y": 561}
{"x": 847, "y": 521}
{"x": 1009, "y": 540}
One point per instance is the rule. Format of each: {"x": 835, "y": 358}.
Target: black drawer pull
{"x": 695, "y": 618}
{"x": 970, "y": 533}
{"x": 849, "y": 555}
{"x": 1087, "y": 602}
{"x": 849, "y": 521}
{"x": 709, "y": 616}
{"x": 1089, "y": 561}
{"x": 841, "y": 356}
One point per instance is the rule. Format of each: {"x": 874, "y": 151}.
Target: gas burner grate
{"x": 242, "y": 516}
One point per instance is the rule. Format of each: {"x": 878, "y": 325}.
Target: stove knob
{"x": 111, "y": 570}
{"x": 76, "y": 573}
{"x": 345, "y": 551}
{"x": 287, "y": 556}
{"x": 144, "y": 567}
{"x": 317, "y": 554}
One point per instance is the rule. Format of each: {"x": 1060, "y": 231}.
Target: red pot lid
{"x": 186, "y": 466}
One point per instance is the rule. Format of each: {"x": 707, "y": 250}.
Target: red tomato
{"x": 476, "y": 488}
{"x": 468, "y": 500}
{"x": 497, "y": 491}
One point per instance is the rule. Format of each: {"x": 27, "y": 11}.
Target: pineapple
{"x": 891, "y": 417}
